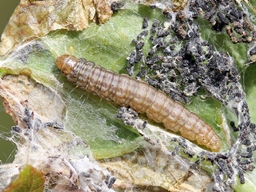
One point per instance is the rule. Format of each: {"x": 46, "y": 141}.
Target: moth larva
{"x": 140, "y": 96}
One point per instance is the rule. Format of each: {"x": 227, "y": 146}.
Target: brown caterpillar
{"x": 140, "y": 96}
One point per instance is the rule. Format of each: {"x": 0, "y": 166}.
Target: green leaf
{"x": 93, "y": 119}
{"x": 108, "y": 46}
{"x": 29, "y": 180}
{"x": 250, "y": 89}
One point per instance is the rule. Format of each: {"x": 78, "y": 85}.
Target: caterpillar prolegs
{"x": 139, "y": 96}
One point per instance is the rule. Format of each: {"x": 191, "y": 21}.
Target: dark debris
{"x": 226, "y": 15}
{"x": 32, "y": 123}
{"x": 130, "y": 117}
{"x": 115, "y": 6}
{"x": 110, "y": 181}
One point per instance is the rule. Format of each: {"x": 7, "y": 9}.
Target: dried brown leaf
{"x": 33, "y": 19}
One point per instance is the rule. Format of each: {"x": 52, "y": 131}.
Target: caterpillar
{"x": 141, "y": 97}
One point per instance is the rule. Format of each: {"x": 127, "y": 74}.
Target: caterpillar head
{"x": 66, "y": 63}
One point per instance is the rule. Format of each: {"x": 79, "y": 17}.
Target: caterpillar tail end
{"x": 215, "y": 145}
{"x": 66, "y": 63}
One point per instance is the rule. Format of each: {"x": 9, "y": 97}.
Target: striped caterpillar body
{"x": 139, "y": 96}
